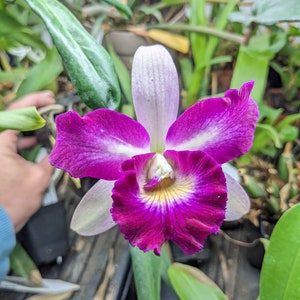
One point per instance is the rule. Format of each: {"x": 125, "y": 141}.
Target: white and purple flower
{"x": 161, "y": 177}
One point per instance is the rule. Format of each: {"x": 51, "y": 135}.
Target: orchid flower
{"x": 161, "y": 177}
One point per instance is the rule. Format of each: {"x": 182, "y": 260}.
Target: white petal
{"x": 231, "y": 171}
{"x": 92, "y": 215}
{"x": 155, "y": 92}
{"x": 238, "y": 203}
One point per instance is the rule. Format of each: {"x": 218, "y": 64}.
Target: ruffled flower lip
{"x": 185, "y": 208}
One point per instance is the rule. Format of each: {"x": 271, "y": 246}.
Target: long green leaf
{"x": 123, "y": 8}
{"x": 253, "y": 62}
{"x": 198, "y": 45}
{"x": 122, "y": 71}
{"x": 41, "y": 74}
{"x": 270, "y": 12}
{"x": 289, "y": 133}
{"x": 15, "y": 75}
{"x": 14, "y": 34}
{"x": 198, "y": 40}
{"x": 87, "y": 62}
{"x": 206, "y": 30}
{"x": 264, "y": 134}
{"x": 190, "y": 283}
{"x": 288, "y": 120}
{"x": 23, "y": 119}
{"x": 213, "y": 42}
{"x": 280, "y": 273}
{"x": 23, "y": 265}
{"x": 199, "y": 79}
{"x": 251, "y": 65}
{"x": 146, "y": 268}
{"x": 222, "y": 21}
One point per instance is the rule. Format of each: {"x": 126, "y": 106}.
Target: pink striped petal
{"x": 97, "y": 144}
{"x": 155, "y": 92}
{"x": 221, "y": 127}
{"x": 92, "y": 215}
{"x": 185, "y": 208}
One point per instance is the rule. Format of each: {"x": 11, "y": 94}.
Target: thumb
{"x": 47, "y": 169}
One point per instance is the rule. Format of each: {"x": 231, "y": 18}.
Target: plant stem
{"x": 233, "y": 37}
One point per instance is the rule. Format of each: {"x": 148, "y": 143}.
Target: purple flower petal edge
{"x": 97, "y": 144}
{"x": 221, "y": 127}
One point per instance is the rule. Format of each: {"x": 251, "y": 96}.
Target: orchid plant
{"x": 161, "y": 178}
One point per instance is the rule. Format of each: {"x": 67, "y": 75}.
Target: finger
{"x": 47, "y": 168}
{"x": 26, "y": 142}
{"x": 38, "y": 99}
{"x": 9, "y": 140}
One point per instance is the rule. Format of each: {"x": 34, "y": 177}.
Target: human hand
{"x": 22, "y": 183}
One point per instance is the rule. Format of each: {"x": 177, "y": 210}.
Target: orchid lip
{"x": 184, "y": 207}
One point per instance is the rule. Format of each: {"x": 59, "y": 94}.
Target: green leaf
{"x": 186, "y": 69}
{"x": 152, "y": 11}
{"x": 198, "y": 40}
{"x": 190, "y": 283}
{"x": 262, "y": 132}
{"x": 121, "y": 7}
{"x": 87, "y": 62}
{"x": 14, "y": 34}
{"x": 288, "y": 120}
{"x": 200, "y": 74}
{"x": 269, "y": 114}
{"x": 15, "y": 75}
{"x": 216, "y": 60}
{"x": 264, "y": 135}
{"x": 148, "y": 271}
{"x": 265, "y": 243}
{"x": 175, "y": 2}
{"x": 289, "y": 133}
{"x": 42, "y": 74}
{"x": 122, "y": 71}
{"x": 270, "y": 12}
{"x": 146, "y": 268}
{"x": 22, "y": 119}
{"x": 252, "y": 64}
{"x": 280, "y": 273}
{"x": 165, "y": 262}
{"x": 23, "y": 265}
{"x": 128, "y": 109}
{"x": 221, "y": 23}
{"x": 31, "y": 154}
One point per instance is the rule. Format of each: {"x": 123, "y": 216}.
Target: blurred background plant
{"x": 270, "y": 172}
{"x": 29, "y": 61}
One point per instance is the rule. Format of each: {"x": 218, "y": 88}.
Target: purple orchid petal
{"x": 155, "y": 92}
{"x": 185, "y": 207}
{"x": 97, "y": 144}
{"x": 238, "y": 203}
{"x": 92, "y": 215}
{"x": 221, "y": 127}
